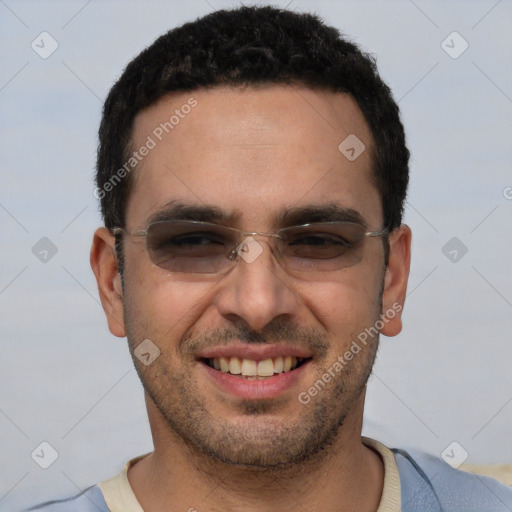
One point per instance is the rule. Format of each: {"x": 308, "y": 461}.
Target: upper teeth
{"x": 250, "y": 367}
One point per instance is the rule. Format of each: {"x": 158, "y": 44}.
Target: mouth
{"x": 251, "y": 369}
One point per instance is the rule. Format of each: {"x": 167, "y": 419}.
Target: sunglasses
{"x": 206, "y": 248}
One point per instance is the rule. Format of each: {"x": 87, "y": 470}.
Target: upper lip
{"x": 254, "y": 352}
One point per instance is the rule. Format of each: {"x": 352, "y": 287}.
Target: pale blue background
{"x": 65, "y": 380}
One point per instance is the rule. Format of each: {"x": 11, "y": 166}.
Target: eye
{"x": 196, "y": 239}
{"x": 319, "y": 240}
{"x": 317, "y": 246}
{"x": 188, "y": 241}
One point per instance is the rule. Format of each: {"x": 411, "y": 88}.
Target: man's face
{"x": 255, "y": 154}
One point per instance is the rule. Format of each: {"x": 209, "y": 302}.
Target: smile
{"x": 252, "y": 369}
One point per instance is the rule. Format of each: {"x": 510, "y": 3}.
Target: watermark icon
{"x": 44, "y": 455}
{"x": 304, "y": 397}
{"x": 351, "y": 147}
{"x": 507, "y": 193}
{"x": 454, "y": 45}
{"x": 249, "y": 250}
{"x": 454, "y": 454}
{"x": 44, "y": 250}
{"x": 152, "y": 140}
{"x": 454, "y": 249}
{"x": 44, "y": 45}
{"x": 146, "y": 352}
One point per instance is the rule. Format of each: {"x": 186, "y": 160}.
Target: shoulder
{"x": 429, "y": 483}
{"x": 90, "y": 500}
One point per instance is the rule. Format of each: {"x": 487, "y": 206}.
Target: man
{"x": 252, "y": 170}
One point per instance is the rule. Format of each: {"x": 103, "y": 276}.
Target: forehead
{"x": 253, "y": 151}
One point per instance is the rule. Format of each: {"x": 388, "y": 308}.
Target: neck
{"x": 346, "y": 476}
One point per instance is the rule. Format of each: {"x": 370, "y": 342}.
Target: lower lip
{"x": 270, "y": 387}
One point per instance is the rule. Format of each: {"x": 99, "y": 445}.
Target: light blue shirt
{"x": 428, "y": 484}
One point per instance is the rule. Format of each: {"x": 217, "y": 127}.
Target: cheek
{"x": 345, "y": 306}
{"x": 159, "y": 306}
{"x": 168, "y": 303}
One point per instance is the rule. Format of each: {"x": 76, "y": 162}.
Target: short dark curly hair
{"x": 251, "y": 46}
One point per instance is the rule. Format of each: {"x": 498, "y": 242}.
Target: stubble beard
{"x": 259, "y": 440}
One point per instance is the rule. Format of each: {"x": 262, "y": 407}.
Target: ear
{"x": 395, "y": 280}
{"x": 104, "y": 266}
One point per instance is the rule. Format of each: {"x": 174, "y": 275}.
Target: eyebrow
{"x": 295, "y": 216}
{"x": 175, "y": 210}
{"x": 318, "y": 213}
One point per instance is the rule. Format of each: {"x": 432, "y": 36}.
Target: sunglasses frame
{"x": 242, "y": 235}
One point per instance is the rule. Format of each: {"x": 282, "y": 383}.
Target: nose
{"x": 257, "y": 290}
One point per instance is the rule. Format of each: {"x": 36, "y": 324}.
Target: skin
{"x": 254, "y": 152}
